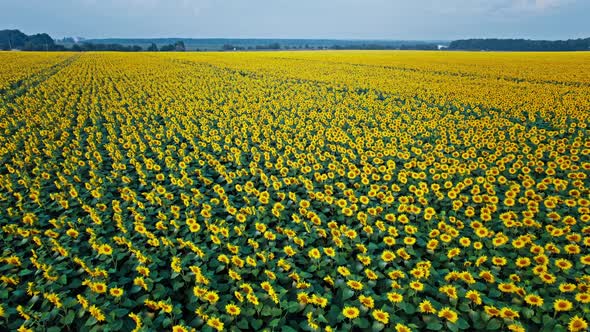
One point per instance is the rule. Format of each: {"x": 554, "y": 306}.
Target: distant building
{"x": 442, "y": 47}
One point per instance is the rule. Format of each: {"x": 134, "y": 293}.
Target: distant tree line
{"x": 91, "y": 47}
{"x": 271, "y": 46}
{"x": 425, "y": 46}
{"x": 277, "y": 46}
{"x": 16, "y": 40}
{"x": 520, "y": 45}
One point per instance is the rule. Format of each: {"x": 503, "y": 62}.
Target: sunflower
{"x": 417, "y": 286}
{"x": 99, "y": 287}
{"x": 350, "y": 312}
{"x": 491, "y": 311}
{"x": 583, "y": 298}
{"x": 534, "y": 300}
{"x": 367, "y": 301}
{"x": 116, "y": 292}
{"x": 381, "y": 316}
{"x": 562, "y": 305}
{"x": 448, "y": 314}
{"x": 426, "y": 307}
{"x": 314, "y": 253}
{"x": 387, "y": 256}
{"x": 211, "y": 297}
{"x": 567, "y": 287}
{"x": 97, "y": 313}
{"x": 343, "y": 271}
{"x": 215, "y": 323}
{"x": 577, "y": 323}
{"x": 232, "y": 309}
{"x": 523, "y": 262}
{"x": 508, "y": 313}
{"x": 356, "y": 285}
{"x": 179, "y": 328}
{"x": 399, "y": 327}
{"x": 473, "y": 296}
{"x": 395, "y": 297}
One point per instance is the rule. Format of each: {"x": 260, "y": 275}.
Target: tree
{"x": 167, "y": 48}
{"x": 39, "y": 42}
{"x": 12, "y": 39}
{"x": 152, "y": 48}
{"x": 179, "y": 46}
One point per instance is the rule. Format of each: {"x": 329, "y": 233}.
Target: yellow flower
{"x": 562, "y": 305}
{"x": 343, "y": 271}
{"x": 97, "y": 313}
{"x": 116, "y": 292}
{"x": 508, "y": 313}
{"x": 381, "y": 316}
{"x": 534, "y": 300}
{"x": 350, "y": 312}
{"x": 577, "y": 323}
{"x": 367, "y": 301}
{"x": 314, "y": 253}
{"x": 417, "y": 286}
{"x": 175, "y": 265}
{"x": 215, "y": 323}
{"x": 211, "y": 297}
{"x": 474, "y": 296}
{"x": 402, "y": 328}
{"x": 448, "y": 314}
{"x": 426, "y": 307}
{"x": 98, "y": 287}
{"x": 356, "y": 285}
{"x": 395, "y": 297}
{"x": 53, "y": 298}
{"x": 387, "y": 256}
{"x": 179, "y": 328}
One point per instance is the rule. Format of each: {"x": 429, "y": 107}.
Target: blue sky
{"x": 342, "y": 19}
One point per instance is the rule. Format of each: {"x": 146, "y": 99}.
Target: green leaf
{"x": 494, "y": 293}
{"x": 293, "y": 307}
{"x": 377, "y": 326}
{"x": 177, "y": 285}
{"x": 434, "y": 326}
{"x": 287, "y": 328}
{"x": 69, "y": 317}
{"x": 408, "y": 308}
{"x": 265, "y": 311}
{"x": 452, "y": 327}
{"x": 243, "y": 324}
{"x": 120, "y": 312}
{"x": 462, "y": 324}
{"x": 494, "y": 324}
{"x": 322, "y": 319}
{"x": 256, "y": 324}
{"x": 347, "y": 294}
{"x": 90, "y": 322}
{"x": 528, "y": 312}
{"x": 361, "y": 322}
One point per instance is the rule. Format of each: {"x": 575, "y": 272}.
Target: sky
{"x": 339, "y": 19}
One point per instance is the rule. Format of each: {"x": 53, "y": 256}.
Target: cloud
{"x": 531, "y": 6}
{"x": 494, "y": 7}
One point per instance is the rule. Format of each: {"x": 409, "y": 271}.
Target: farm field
{"x": 283, "y": 191}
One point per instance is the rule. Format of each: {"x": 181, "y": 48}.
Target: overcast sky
{"x": 342, "y": 19}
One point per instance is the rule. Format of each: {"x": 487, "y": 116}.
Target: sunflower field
{"x": 295, "y": 191}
